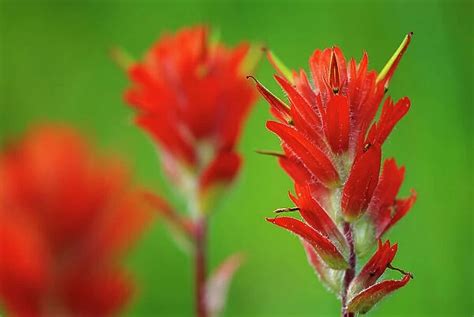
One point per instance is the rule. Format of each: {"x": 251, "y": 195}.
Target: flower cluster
{"x": 192, "y": 97}
{"x": 65, "y": 218}
{"x": 332, "y": 139}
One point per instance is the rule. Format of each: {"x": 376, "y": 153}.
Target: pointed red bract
{"x": 323, "y": 246}
{"x": 363, "y": 294}
{"x": 318, "y": 219}
{"x": 316, "y": 161}
{"x": 385, "y": 209}
{"x": 361, "y": 183}
{"x": 337, "y": 124}
{"x": 374, "y": 268}
{"x": 279, "y": 109}
{"x": 366, "y": 299}
{"x": 390, "y": 116}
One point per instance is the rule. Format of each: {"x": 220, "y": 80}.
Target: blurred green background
{"x": 55, "y": 67}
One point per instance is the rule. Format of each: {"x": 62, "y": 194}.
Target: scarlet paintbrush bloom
{"x": 332, "y": 145}
{"x": 191, "y": 96}
{"x": 65, "y": 218}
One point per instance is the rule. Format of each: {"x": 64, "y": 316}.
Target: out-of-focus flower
{"x": 65, "y": 218}
{"x": 191, "y": 95}
{"x": 332, "y": 148}
{"x": 192, "y": 98}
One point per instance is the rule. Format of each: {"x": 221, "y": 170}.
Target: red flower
{"x": 332, "y": 147}
{"x": 65, "y": 217}
{"x": 363, "y": 292}
{"x": 192, "y": 98}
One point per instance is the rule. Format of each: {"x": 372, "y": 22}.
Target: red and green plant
{"x": 191, "y": 96}
{"x": 332, "y": 139}
{"x": 66, "y": 217}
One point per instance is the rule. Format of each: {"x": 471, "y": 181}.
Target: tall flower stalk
{"x": 192, "y": 98}
{"x": 332, "y": 139}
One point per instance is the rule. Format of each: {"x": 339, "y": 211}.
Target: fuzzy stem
{"x": 350, "y": 272}
{"x": 200, "y": 266}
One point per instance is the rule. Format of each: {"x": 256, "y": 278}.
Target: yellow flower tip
{"x": 389, "y": 68}
{"x": 121, "y": 58}
{"x": 279, "y": 66}
{"x": 252, "y": 59}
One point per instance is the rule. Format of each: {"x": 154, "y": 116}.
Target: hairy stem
{"x": 200, "y": 266}
{"x": 350, "y": 272}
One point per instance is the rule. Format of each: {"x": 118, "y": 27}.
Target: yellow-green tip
{"x": 121, "y": 58}
{"x": 392, "y": 63}
{"x": 278, "y": 65}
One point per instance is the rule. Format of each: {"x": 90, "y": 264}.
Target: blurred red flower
{"x": 65, "y": 217}
{"x": 332, "y": 148}
{"x": 192, "y": 98}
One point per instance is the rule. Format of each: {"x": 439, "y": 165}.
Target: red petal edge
{"x": 366, "y": 299}
{"x": 323, "y": 246}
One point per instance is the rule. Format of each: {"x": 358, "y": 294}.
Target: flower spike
{"x": 191, "y": 95}
{"x": 332, "y": 145}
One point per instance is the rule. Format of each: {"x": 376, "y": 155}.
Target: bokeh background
{"x": 55, "y": 67}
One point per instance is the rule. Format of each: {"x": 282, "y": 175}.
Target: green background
{"x": 55, "y": 67}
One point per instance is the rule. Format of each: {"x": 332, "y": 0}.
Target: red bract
{"x": 65, "y": 217}
{"x": 192, "y": 98}
{"x": 332, "y": 145}
{"x": 363, "y": 293}
{"x": 385, "y": 209}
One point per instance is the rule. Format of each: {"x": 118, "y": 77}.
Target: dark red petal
{"x": 222, "y": 170}
{"x": 319, "y": 65}
{"x": 401, "y": 208}
{"x": 361, "y": 183}
{"x": 374, "y": 268}
{"x": 337, "y": 123}
{"x": 295, "y": 169}
{"x": 385, "y": 193}
{"x": 391, "y": 114}
{"x": 326, "y": 250}
{"x": 278, "y": 108}
{"x": 312, "y": 157}
{"x": 304, "y": 88}
{"x": 300, "y": 104}
{"x": 318, "y": 218}
{"x": 366, "y": 299}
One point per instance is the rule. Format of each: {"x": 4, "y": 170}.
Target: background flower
{"x": 65, "y": 218}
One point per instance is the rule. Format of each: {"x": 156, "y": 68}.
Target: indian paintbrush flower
{"x": 65, "y": 218}
{"x": 332, "y": 149}
{"x": 191, "y": 96}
